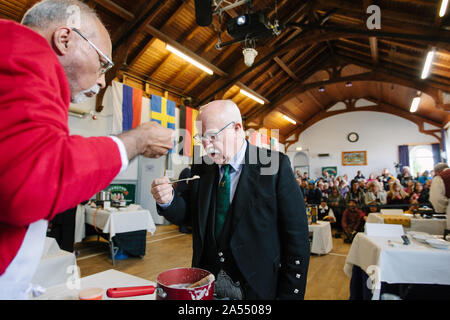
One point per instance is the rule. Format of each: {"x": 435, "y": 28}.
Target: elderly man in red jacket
{"x": 46, "y": 63}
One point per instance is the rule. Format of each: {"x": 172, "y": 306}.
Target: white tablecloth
{"x": 120, "y": 221}
{"x": 106, "y": 279}
{"x": 56, "y": 265}
{"x": 431, "y": 226}
{"x": 416, "y": 263}
{"x": 322, "y": 241}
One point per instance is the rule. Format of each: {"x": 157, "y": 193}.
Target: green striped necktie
{"x": 223, "y": 200}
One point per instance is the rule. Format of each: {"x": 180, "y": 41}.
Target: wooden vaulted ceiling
{"x": 323, "y": 44}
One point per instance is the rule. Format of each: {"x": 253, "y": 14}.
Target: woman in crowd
{"x": 344, "y": 188}
{"x": 409, "y": 189}
{"x": 355, "y": 193}
{"x": 375, "y": 195}
{"x": 397, "y": 194}
{"x": 419, "y": 194}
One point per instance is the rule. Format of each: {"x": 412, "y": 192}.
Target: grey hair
{"x": 441, "y": 166}
{"x": 61, "y": 12}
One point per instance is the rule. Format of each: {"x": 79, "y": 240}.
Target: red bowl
{"x": 170, "y": 285}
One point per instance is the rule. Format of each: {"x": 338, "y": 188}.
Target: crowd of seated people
{"x": 350, "y": 201}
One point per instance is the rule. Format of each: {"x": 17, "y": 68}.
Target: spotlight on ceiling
{"x": 348, "y": 84}
{"x": 321, "y": 89}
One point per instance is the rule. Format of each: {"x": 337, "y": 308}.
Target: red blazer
{"x": 43, "y": 170}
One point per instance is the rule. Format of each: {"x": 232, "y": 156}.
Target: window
{"x": 421, "y": 159}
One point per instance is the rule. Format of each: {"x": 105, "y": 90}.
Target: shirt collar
{"x": 238, "y": 159}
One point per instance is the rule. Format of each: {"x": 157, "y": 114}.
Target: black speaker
{"x": 203, "y": 12}
{"x": 323, "y": 154}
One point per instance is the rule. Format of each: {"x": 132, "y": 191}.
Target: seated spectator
{"x": 409, "y": 188}
{"x": 404, "y": 176}
{"x": 424, "y": 177}
{"x": 313, "y": 194}
{"x": 325, "y": 189}
{"x": 359, "y": 176}
{"x": 375, "y": 195}
{"x": 355, "y": 193}
{"x": 363, "y": 186}
{"x": 326, "y": 176}
{"x": 324, "y": 212}
{"x": 419, "y": 195}
{"x": 352, "y": 221}
{"x": 337, "y": 203}
{"x": 343, "y": 188}
{"x": 385, "y": 177}
{"x": 371, "y": 178}
{"x": 345, "y": 179}
{"x": 397, "y": 194}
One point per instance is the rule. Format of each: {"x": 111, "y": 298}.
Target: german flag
{"x": 187, "y": 121}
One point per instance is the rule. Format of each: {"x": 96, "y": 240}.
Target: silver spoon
{"x": 187, "y": 179}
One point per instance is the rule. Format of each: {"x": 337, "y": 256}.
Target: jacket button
{"x": 220, "y": 254}
{"x": 298, "y": 275}
{"x": 296, "y": 291}
{"x": 297, "y": 261}
{"x": 222, "y": 260}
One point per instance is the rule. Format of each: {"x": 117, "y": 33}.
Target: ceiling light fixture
{"x": 443, "y": 9}
{"x": 348, "y": 84}
{"x": 251, "y": 96}
{"x": 188, "y": 59}
{"x": 428, "y": 62}
{"x": 289, "y": 119}
{"x": 321, "y": 89}
{"x": 414, "y": 104}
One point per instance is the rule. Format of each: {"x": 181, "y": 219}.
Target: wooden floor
{"x": 168, "y": 248}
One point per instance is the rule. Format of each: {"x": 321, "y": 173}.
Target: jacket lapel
{"x": 248, "y": 181}
{"x": 206, "y": 185}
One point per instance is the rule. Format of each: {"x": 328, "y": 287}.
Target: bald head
{"x": 223, "y": 111}
{"x": 221, "y": 115}
{"x": 82, "y": 63}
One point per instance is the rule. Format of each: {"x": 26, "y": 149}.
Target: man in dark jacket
{"x": 248, "y": 216}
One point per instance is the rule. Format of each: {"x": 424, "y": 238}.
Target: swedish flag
{"x": 162, "y": 111}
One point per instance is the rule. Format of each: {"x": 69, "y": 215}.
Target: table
{"x": 322, "y": 241}
{"x": 55, "y": 266}
{"x": 112, "y": 222}
{"x": 413, "y": 264}
{"x": 431, "y": 226}
{"x": 106, "y": 279}
{"x": 124, "y": 220}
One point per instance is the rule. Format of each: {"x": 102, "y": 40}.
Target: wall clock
{"x": 353, "y": 137}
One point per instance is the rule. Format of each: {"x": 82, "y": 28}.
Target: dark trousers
{"x": 62, "y": 228}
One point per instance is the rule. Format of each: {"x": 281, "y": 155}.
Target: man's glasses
{"x": 104, "y": 66}
{"x": 212, "y": 137}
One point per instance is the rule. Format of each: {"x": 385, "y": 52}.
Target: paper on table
{"x": 383, "y": 230}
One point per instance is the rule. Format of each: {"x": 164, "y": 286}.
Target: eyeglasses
{"x": 210, "y": 136}
{"x": 104, "y": 66}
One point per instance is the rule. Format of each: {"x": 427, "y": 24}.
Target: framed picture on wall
{"x": 354, "y": 158}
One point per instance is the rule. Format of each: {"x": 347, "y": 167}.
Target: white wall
{"x": 380, "y": 134}
{"x": 88, "y": 127}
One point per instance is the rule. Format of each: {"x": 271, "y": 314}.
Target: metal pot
{"x": 103, "y": 196}
{"x": 169, "y": 285}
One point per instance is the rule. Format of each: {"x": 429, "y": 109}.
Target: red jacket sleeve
{"x": 44, "y": 170}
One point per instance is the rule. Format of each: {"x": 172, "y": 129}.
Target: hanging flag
{"x": 255, "y": 138}
{"x": 127, "y": 103}
{"x": 162, "y": 111}
{"x": 188, "y": 117}
{"x": 274, "y": 144}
